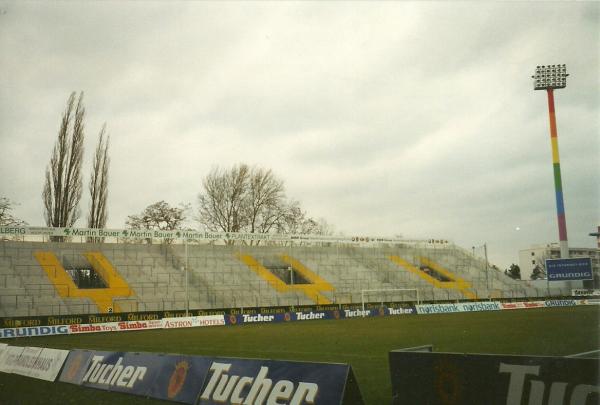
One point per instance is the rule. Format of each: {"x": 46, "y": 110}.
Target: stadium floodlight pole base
{"x": 362, "y": 294}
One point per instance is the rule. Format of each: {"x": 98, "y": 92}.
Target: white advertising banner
{"x": 12, "y": 231}
{"x": 94, "y": 327}
{"x": 47, "y": 365}
{"x": 581, "y": 292}
{"x": 35, "y": 362}
{"x": 11, "y": 354}
{"x": 212, "y": 320}
{"x": 523, "y": 305}
{"x": 140, "y": 325}
{"x": 115, "y": 326}
{"x": 3, "y": 347}
{"x": 25, "y": 362}
{"x": 193, "y": 321}
{"x": 458, "y": 307}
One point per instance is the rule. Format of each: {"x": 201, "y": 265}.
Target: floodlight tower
{"x": 548, "y": 78}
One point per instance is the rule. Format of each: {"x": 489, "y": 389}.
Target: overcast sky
{"x": 387, "y": 118}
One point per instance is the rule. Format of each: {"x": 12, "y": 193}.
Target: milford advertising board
{"x": 451, "y": 378}
{"x": 212, "y": 380}
{"x": 579, "y": 268}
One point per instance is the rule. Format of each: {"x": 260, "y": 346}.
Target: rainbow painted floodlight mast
{"x": 550, "y": 77}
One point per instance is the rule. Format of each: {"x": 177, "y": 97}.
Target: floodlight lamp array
{"x": 550, "y": 77}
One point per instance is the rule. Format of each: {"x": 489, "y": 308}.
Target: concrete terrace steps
{"x": 219, "y": 279}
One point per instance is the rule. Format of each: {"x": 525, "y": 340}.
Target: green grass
{"x": 363, "y": 343}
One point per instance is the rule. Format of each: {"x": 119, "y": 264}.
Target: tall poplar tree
{"x": 98, "y": 186}
{"x": 63, "y": 186}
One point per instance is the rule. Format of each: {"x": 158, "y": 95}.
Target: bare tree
{"x": 264, "y": 202}
{"x": 324, "y": 227}
{"x": 98, "y": 187}
{"x": 63, "y": 186}
{"x": 251, "y": 200}
{"x": 159, "y": 216}
{"x": 223, "y": 201}
{"x": 295, "y": 221}
{"x": 6, "y": 216}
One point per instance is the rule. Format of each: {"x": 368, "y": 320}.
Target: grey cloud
{"x": 384, "y": 118}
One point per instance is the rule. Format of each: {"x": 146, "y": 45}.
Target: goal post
{"x": 364, "y": 293}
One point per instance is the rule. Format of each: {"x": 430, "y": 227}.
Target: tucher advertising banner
{"x": 236, "y": 381}
{"x": 450, "y": 378}
{"x": 579, "y": 268}
{"x": 211, "y": 380}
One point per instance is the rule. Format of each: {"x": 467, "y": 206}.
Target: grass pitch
{"x": 362, "y": 343}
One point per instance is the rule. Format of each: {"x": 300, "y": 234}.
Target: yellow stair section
{"x": 313, "y": 291}
{"x": 457, "y": 283}
{"x": 66, "y": 288}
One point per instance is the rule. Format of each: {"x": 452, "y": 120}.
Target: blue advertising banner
{"x": 257, "y": 318}
{"x": 75, "y": 366}
{"x": 237, "y": 381}
{"x": 399, "y": 311}
{"x": 579, "y": 268}
{"x": 180, "y": 378}
{"x": 113, "y": 371}
{"x": 452, "y": 378}
{"x": 292, "y": 316}
{"x": 283, "y": 317}
{"x": 211, "y": 380}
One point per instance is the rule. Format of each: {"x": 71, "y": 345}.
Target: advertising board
{"x": 112, "y": 371}
{"x": 458, "y": 307}
{"x": 284, "y": 317}
{"x": 581, "y": 292}
{"x": 6, "y": 333}
{"x": 9, "y": 358}
{"x": 523, "y": 305}
{"x": 563, "y": 303}
{"x": 40, "y": 363}
{"x": 212, "y": 380}
{"x": 76, "y": 366}
{"x": 24, "y": 363}
{"x": 450, "y": 378}
{"x": 579, "y": 268}
{"x": 270, "y": 381}
{"x": 193, "y": 321}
